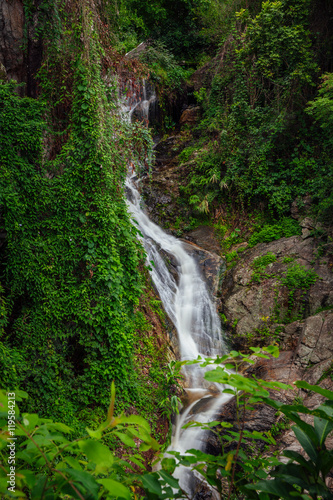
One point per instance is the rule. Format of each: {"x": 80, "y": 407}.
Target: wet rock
{"x": 305, "y": 233}
{"x": 211, "y": 265}
{"x": 316, "y": 344}
{"x": 204, "y": 237}
{"x": 173, "y": 340}
{"x": 308, "y": 223}
{"x": 20, "y": 64}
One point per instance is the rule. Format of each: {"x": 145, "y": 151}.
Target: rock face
{"x": 11, "y": 38}
{"x": 161, "y": 191}
{"x": 314, "y": 351}
{"x": 205, "y": 238}
{"x": 258, "y": 309}
{"x": 21, "y": 47}
{"x": 252, "y": 309}
{"x": 211, "y": 265}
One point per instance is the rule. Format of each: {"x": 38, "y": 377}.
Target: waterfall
{"x": 191, "y": 309}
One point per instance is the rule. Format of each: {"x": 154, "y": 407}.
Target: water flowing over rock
{"x": 191, "y": 308}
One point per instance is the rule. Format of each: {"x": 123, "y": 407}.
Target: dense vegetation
{"x": 263, "y": 147}
{"x": 70, "y": 281}
{"x": 71, "y": 268}
{"x": 85, "y": 468}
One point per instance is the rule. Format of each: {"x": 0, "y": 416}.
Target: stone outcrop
{"x": 161, "y": 191}
{"x": 11, "y": 38}
{"x": 253, "y": 308}
{"x": 21, "y": 47}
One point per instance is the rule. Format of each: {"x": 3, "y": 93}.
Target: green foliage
{"x": 230, "y": 256}
{"x": 185, "y": 155}
{"x": 304, "y": 474}
{"x": 236, "y": 465}
{"x": 287, "y": 259}
{"x": 269, "y": 232}
{"x": 259, "y": 265}
{"x": 174, "y": 23}
{"x": 298, "y": 279}
{"x": 261, "y": 148}
{"x": 72, "y": 279}
{"x": 50, "y": 464}
{"x": 322, "y": 106}
{"x": 298, "y": 276}
{"x": 238, "y": 471}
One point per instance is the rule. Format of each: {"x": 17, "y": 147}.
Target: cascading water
{"x": 192, "y": 311}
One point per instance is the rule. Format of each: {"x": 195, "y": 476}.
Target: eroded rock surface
{"x": 11, "y": 38}
{"x": 256, "y": 309}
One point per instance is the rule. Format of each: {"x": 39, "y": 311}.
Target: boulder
{"x": 254, "y": 308}
{"x": 190, "y": 116}
{"x": 11, "y": 38}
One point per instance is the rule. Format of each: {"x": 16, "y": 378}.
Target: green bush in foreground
{"x": 49, "y": 465}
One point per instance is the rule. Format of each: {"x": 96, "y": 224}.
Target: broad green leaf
{"x": 169, "y": 465}
{"x": 229, "y": 391}
{"x": 27, "y": 477}
{"x": 30, "y": 420}
{"x": 136, "y": 419}
{"x": 297, "y": 457}
{"x": 94, "y": 434}
{"x": 307, "y": 444}
{"x": 60, "y": 427}
{"x": 151, "y": 483}
{"x": 72, "y": 462}
{"x": 137, "y": 462}
{"x": 234, "y": 354}
{"x": 325, "y": 461}
{"x": 288, "y": 478}
{"x": 116, "y": 489}
{"x": 307, "y": 428}
{"x": 126, "y": 439}
{"x": 323, "y": 428}
{"x": 273, "y": 350}
{"x": 37, "y": 490}
{"x": 275, "y": 487}
{"x": 315, "y": 388}
{"x": 96, "y": 452}
{"x": 174, "y": 483}
{"x": 263, "y": 496}
{"x": 84, "y": 478}
{"x": 320, "y": 491}
{"x": 322, "y": 411}
{"x": 19, "y": 395}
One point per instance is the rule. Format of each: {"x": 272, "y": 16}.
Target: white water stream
{"x": 193, "y": 312}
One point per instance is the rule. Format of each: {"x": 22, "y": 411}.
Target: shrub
{"x": 285, "y": 228}
{"x": 263, "y": 261}
{"x": 298, "y": 276}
